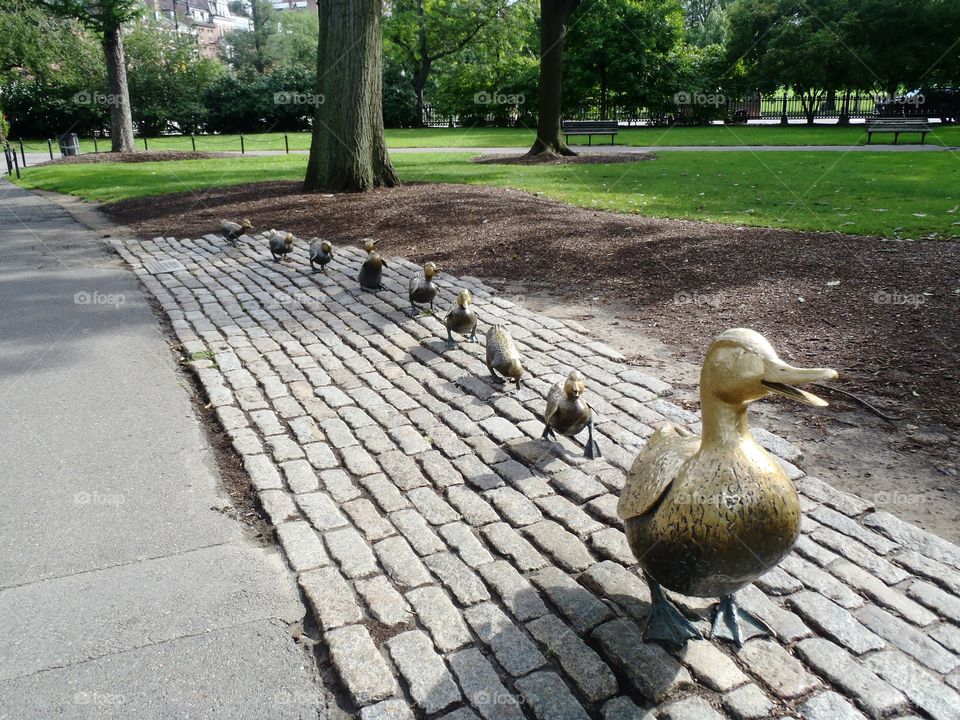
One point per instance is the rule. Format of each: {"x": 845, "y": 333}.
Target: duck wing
{"x": 415, "y": 282}
{"x": 654, "y": 469}
{"x": 553, "y": 402}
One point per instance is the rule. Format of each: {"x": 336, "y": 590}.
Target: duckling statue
{"x": 462, "y": 318}
{"x": 707, "y": 515}
{"x": 371, "y": 272}
{"x": 422, "y": 290}
{"x": 281, "y": 244}
{"x": 568, "y": 413}
{"x": 321, "y": 253}
{"x": 232, "y": 231}
{"x": 503, "y": 356}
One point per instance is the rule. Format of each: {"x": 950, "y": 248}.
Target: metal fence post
{"x": 193, "y": 142}
{"x": 783, "y": 114}
{"x": 16, "y": 165}
{"x": 242, "y": 149}
{"x": 6, "y": 156}
{"x": 145, "y": 143}
{"x": 50, "y": 147}
{"x": 286, "y": 143}
{"x": 23, "y": 155}
{"x": 95, "y": 149}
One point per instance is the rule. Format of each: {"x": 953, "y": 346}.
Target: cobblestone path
{"x": 460, "y": 567}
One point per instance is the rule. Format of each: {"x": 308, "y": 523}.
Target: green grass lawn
{"x": 511, "y": 137}
{"x": 910, "y": 195}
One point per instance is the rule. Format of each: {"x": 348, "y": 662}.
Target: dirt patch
{"x": 135, "y": 157}
{"x": 885, "y": 313}
{"x": 579, "y": 159}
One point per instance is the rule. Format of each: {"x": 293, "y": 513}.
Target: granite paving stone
{"x": 330, "y": 597}
{"x": 463, "y": 582}
{"x": 829, "y": 706}
{"x": 564, "y": 547}
{"x": 483, "y": 688}
{"x": 549, "y": 698}
{"x": 441, "y": 618}
{"x": 401, "y": 563}
{"x": 778, "y": 669}
{"x": 430, "y": 683}
{"x": 907, "y": 638}
{"x": 461, "y": 538}
{"x": 371, "y": 523}
{"x": 351, "y": 551}
{"x": 386, "y": 604}
{"x": 651, "y": 670}
{"x": 513, "y": 649}
{"x": 835, "y": 622}
{"x": 429, "y": 524}
{"x": 363, "y": 670}
{"x": 302, "y": 546}
{"x": 593, "y": 678}
{"x": 690, "y": 708}
{"x": 580, "y": 606}
{"x": 747, "y": 703}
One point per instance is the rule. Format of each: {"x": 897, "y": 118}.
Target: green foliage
{"x": 246, "y": 102}
{"x": 620, "y": 54}
{"x": 295, "y": 41}
{"x": 52, "y": 76}
{"x": 497, "y": 75}
{"x": 421, "y": 33}
{"x": 399, "y": 100}
{"x": 254, "y": 48}
{"x": 167, "y": 76}
{"x": 814, "y": 47}
{"x": 100, "y": 17}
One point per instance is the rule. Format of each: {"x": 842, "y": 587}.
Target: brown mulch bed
{"x": 885, "y": 313}
{"x": 135, "y": 157}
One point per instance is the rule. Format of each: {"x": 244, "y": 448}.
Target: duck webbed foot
{"x": 548, "y": 433}
{"x": 592, "y": 450}
{"x": 736, "y": 625}
{"x": 665, "y": 624}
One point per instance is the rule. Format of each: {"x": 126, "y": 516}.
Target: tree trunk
{"x": 348, "y": 152}
{"x": 420, "y": 75}
{"x": 603, "y": 92}
{"x": 121, "y": 121}
{"x": 554, "y": 15}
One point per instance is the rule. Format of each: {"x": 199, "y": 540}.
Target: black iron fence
{"x": 694, "y": 107}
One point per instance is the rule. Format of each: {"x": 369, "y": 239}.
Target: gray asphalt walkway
{"x": 123, "y": 592}
{"x": 37, "y": 158}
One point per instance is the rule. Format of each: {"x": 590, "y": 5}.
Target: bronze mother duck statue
{"x": 707, "y": 515}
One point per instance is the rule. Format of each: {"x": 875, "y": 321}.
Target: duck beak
{"x": 780, "y": 378}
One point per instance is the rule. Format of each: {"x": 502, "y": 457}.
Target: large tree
{"x": 426, "y": 31}
{"x": 348, "y": 151}
{"x": 254, "y": 47}
{"x": 106, "y": 18}
{"x": 554, "y": 16}
{"x": 619, "y": 53}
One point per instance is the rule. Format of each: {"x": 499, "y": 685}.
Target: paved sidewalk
{"x": 35, "y": 158}
{"x": 123, "y": 592}
{"x": 460, "y": 567}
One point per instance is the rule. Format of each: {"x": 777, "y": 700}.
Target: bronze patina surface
{"x": 568, "y": 413}
{"x": 707, "y": 515}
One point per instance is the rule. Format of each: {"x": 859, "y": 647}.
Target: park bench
{"x": 590, "y": 128}
{"x": 897, "y": 125}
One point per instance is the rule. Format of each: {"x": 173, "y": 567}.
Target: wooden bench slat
{"x": 590, "y": 128}
{"x": 897, "y": 125}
